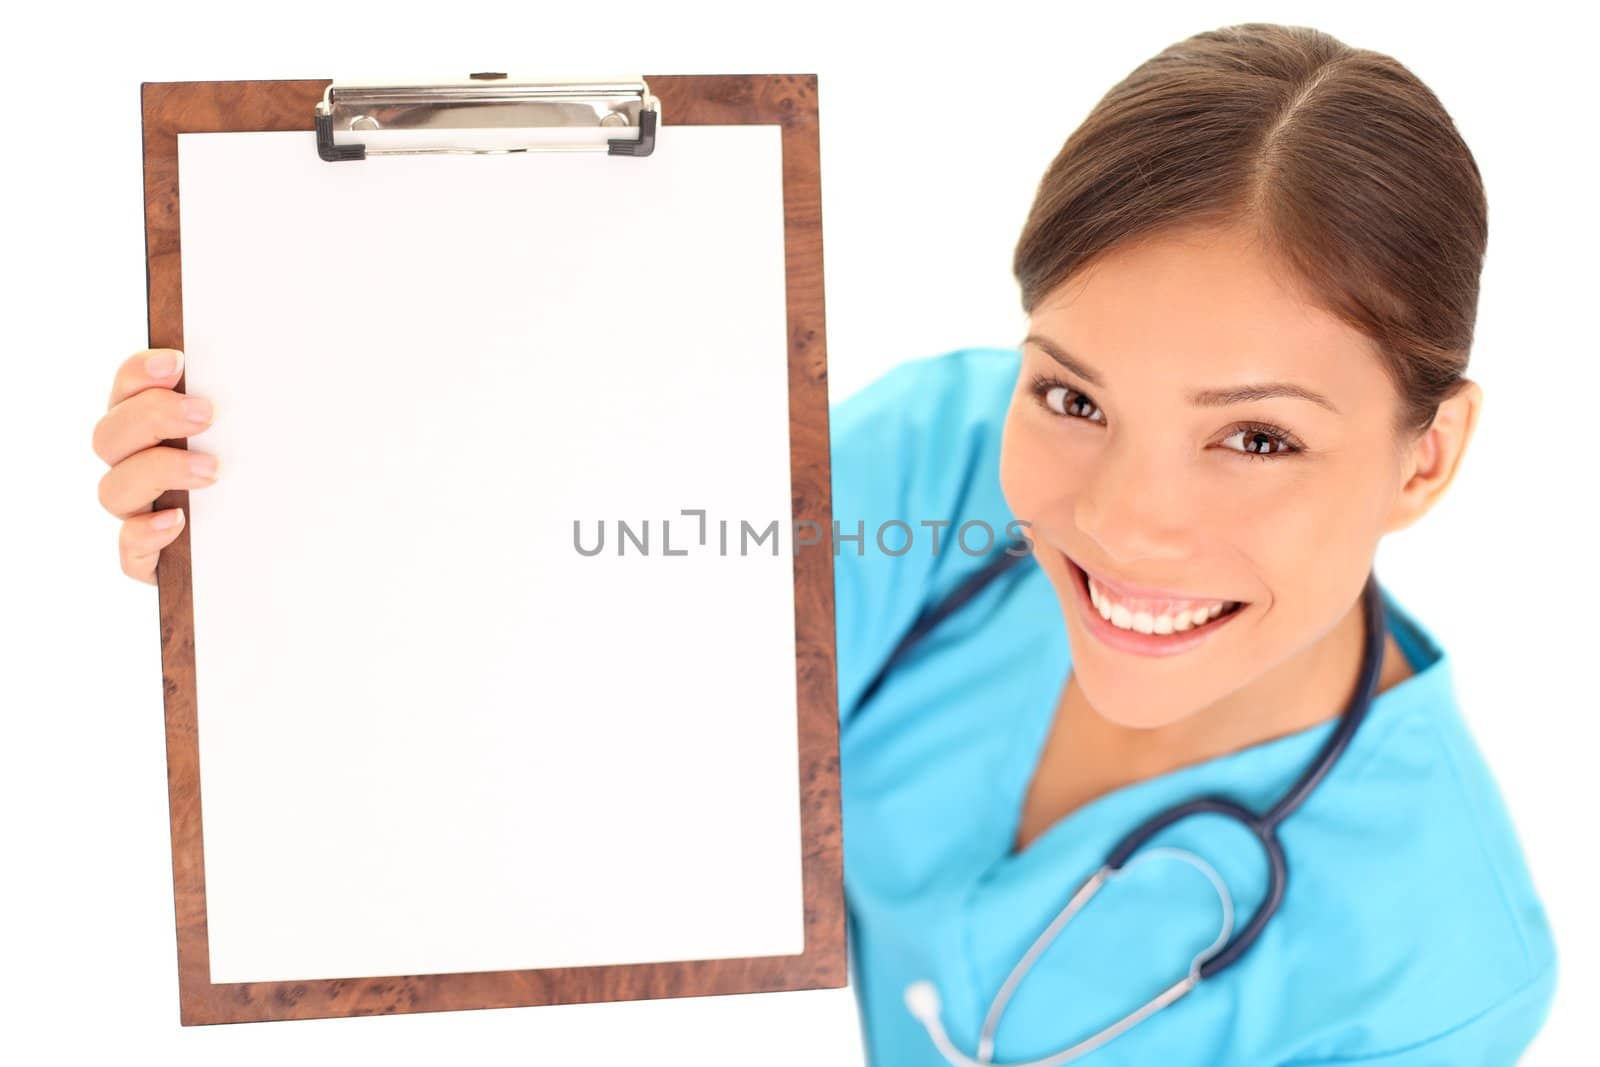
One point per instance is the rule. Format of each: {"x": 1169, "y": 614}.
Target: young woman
{"x": 1250, "y": 278}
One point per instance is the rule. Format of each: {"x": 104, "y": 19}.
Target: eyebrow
{"x": 1237, "y": 394}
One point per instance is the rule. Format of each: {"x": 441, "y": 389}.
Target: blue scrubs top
{"x": 1410, "y": 934}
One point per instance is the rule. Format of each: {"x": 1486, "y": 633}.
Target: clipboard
{"x": 630, "y": 122}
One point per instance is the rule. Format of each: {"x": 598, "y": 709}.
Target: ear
{"x": 1434, "y": 458}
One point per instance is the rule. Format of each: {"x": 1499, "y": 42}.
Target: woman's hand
{"x": 144, "y": 411}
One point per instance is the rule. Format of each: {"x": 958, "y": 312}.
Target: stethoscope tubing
{"x": 922, "y": 999}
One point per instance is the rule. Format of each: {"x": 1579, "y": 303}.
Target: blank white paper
{"x": 433, "y": 736}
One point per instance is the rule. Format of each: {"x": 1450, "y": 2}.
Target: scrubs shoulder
{"x": 1410, "y": 933}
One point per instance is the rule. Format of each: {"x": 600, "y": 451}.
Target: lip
{"x": 1132, "y": 641}
{"x": 1141, "y": 592}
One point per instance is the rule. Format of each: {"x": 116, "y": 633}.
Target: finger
{"x": 145, "y": 368}
{"x": 133, "y": 485}
{"x": 148, "y": 418}
{"x": 142, "y": 539}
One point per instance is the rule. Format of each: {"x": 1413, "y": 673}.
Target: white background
{"x": 937, "y": 122}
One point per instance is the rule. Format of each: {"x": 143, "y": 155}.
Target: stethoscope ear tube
{"x": 1265, "y": 835}
{"x": 1277, "y": 883}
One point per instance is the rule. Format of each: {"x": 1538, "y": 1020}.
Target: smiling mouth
{"x": 1153, "y": 619}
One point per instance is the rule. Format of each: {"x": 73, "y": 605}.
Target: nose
{"x": 1136, "y": 506}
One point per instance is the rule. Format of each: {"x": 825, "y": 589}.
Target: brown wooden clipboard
{"x": 789, "y": 101}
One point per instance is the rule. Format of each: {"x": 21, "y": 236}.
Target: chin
{"x": 1136, "y": 707}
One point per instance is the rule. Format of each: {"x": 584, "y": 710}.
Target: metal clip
{"x": 488, "y": 101}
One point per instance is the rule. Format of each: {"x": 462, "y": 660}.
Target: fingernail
{"x": 197, "y": 409}
{"x": 168, "y": 518}
{"x": 161, "y": 364}
{"x": 203, "y": 464}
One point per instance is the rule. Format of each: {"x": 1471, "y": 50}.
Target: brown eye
{"x": 1263, "y": 442}
{"x": 1060, "y": 399}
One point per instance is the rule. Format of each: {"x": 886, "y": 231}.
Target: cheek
{"x": 1310, "y": 540}
{"x": 1037, "y": 476}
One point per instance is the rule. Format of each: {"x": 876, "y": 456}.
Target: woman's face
{"x": 1126, "y": 456}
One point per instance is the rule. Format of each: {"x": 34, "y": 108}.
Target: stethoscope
{"x": 922, "y": 998}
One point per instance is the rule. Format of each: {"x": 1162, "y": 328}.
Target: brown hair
{"x": 1344, "y": 163}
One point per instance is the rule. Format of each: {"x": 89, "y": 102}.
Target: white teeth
{"x": 1141, "y": 621}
